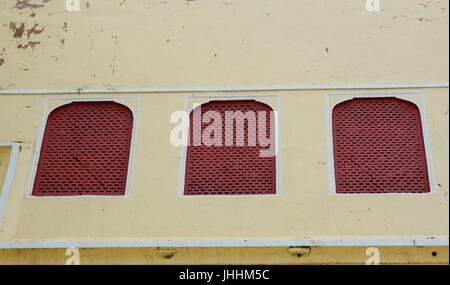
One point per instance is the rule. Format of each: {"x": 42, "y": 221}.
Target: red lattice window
{"x": 231, "y": 170}
{"x": 379, "y": 147}
{"x": 85, "y": 150}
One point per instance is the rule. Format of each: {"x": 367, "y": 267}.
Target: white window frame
{"x": 399, "y": 95}
{"x": 234, "y": 97}
{"x": 9, "y": 175}
{"x": 69, "y": 100}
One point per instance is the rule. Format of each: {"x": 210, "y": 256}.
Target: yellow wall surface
{"x": 5, "y": 152}
{"x": 226, "y": 256}
{"x": 179, "y": 43}
{"x": 182, "y": 44}
{"x": 155, "y": 211}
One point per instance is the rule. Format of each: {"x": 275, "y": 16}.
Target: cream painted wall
{"x": 179, "y": 43}
{"x": 171, "y": 44}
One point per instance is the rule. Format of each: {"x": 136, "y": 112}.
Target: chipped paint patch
{"x": 18, "y": 32}
{"x": 29, "y": 44}
{"x": 2, "y": 53}
{"x": 34, "y": 31}
{"x": 22, "y": 4}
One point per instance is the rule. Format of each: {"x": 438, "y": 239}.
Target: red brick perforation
{"x": 230, "y": 170}
{"x": 85, "y": 150}
{"x": 379, "y": 147}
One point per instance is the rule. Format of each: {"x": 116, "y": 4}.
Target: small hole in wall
{"x": 434, "y": 253}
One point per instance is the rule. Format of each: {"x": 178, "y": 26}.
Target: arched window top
{"x": 391, "y": 102}
{"x": 237, "y": 169}
{"x": 379, "y": 147}
{"x": 86, "y": 106}
{"x": 226, "y": 105}
{"x": 85, "y": 150}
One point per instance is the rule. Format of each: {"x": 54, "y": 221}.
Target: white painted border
{"x": 9, "y": 176}
{"x": 229, "y": 243}
{"x": 226, "y": 89}
{"x": 425, "y": 133}
{"x": 86, "y": 99}
{"x": 183, "y": 154}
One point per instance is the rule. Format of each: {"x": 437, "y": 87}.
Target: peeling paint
{"x": 34, "y": 31}
{"x": 18, "y": 32}
{"x": 31, "y": 44}
{"x": 22, "y": 4}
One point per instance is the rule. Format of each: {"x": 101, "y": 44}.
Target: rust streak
{"x": 2, "y": 61}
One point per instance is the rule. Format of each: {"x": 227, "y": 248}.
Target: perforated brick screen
{"x": 379, "y": 147}
{"x": 85, "y": 150}
{"x": 230, "y": 170}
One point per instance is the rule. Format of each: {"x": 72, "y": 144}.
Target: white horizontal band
{"x": 225, "y": 89}
{"x": 227, "y": 243}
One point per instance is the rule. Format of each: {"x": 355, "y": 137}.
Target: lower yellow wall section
{"x": 224, "y": 256}
{"x": 5, "y": 152}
